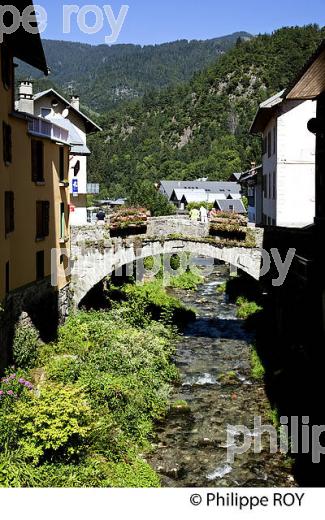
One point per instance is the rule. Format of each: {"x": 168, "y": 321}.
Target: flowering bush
{"x": 12, "y": 387}
{"x": 129, "y": 217}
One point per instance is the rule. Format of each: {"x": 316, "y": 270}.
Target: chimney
{"x": 75, "y": 101}
{"x": 26, "y": 97}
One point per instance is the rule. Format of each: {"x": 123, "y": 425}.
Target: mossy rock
{"x": 229, "y": 378}
{"x": 180, "y": 407}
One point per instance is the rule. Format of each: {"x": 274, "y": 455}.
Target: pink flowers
{"x": 25, "y": 383}
{"x": 15, "y": 386}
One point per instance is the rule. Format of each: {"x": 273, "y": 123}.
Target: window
{"x": 40, "y": 266}
{"x": 231, "y": 207}
{"x": 62, "y": 221}
{"x": 7, "y": 143}
{"x": 37, "y": 161}
{"x": 61, "y": 165}
{"x": 42, "y": 219}
{"x": 9, "y": 212}
{"x": 45, "y": 112}
{"x": 6, "y": 68}
{"x": 7, "y": 277}
{"x": 269, "y": 144}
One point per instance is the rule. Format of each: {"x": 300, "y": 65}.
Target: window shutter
{"x": 46, "y": 218}
{"x": 9, "y": 212}
{"x": 39, "y": 230}
{"x": 5, "y": 66}
{"x": 37, "y": 161}
{"x": 34, "y": 161}
{"x": 7, "y": 143}
{"x": 61, "y": 166}
{"x": 12, "y": 211}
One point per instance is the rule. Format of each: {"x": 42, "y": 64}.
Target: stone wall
{"x": 176, "y": 226}
{"x": 37, "y": 305}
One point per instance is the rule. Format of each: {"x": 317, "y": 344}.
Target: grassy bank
{"x": 83, "y": 413}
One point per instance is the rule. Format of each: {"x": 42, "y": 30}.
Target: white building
{"x": 288, "y": 195}
{"x": 52, "y": 106}
{"x": 182, "y": 193}
{"x": 251, "y": 182}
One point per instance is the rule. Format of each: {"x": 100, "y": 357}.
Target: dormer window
{"x": 45, "y": 112}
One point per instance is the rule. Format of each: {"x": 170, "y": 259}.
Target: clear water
{"x": 213, "y": 357}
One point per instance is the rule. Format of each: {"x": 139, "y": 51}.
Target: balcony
{"x": 40, "y": 127}
{"x": 92, "y": 189}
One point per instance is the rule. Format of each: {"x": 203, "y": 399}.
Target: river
{"x": 213, "y": 356}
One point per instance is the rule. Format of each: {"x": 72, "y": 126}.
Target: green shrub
{"x": 55, "y": 424}
{"x": 221, "y": 289}
{"x": 157, "y": 304}
{"x": 63, "y": 369}
{"x": 95, "y": 396}
{"x": 246, "y": 308}
{"x": 257, "y": 368}
{"x": 15, "y": 472}
{"x": 25, "y": 345}
{"x": 136, "y": 475}
{"x": 187, "y": 281}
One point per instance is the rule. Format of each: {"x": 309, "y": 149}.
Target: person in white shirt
{"x": 203, "y": 215}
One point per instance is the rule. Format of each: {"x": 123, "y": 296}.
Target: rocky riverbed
{"x": 216, "y": 393}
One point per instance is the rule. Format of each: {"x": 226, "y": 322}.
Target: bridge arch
{"x": 93, "y": 264}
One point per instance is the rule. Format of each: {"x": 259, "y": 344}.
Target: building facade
{"x": 34, "y": 205}
{"x": 251, "y": 183}
{"x": 182, "y": 193}
{"x": 56, "y": 109}
{"x": 288, "y": 187}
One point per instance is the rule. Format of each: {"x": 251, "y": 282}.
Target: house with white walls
{"x": 288, "y": 182}
{"x": 182, "y": 193}
{"x": 54, "y": 107}
{"x": 251, "y": 183}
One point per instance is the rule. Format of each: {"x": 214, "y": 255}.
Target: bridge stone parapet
{"x": 176, "y": 226}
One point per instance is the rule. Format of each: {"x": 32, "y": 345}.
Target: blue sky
{"x": 156, "y": 21}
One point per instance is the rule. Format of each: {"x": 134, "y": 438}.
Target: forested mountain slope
{"x": 105, "y": 75}
{"x": 201, "y": 128}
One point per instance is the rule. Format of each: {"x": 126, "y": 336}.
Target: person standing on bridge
{"x": 194, "y": 214}
{"x": 101, "y": 218}
{"x": 204, "y": 215}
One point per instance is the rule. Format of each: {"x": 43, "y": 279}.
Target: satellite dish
{"x": 65, "y": 113}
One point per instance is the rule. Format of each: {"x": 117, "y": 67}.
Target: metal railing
{"x": 43, "y": 128}
{"x": 93, "y": 189}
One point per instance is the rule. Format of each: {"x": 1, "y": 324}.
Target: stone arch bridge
{"x": 95, "y": 255}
